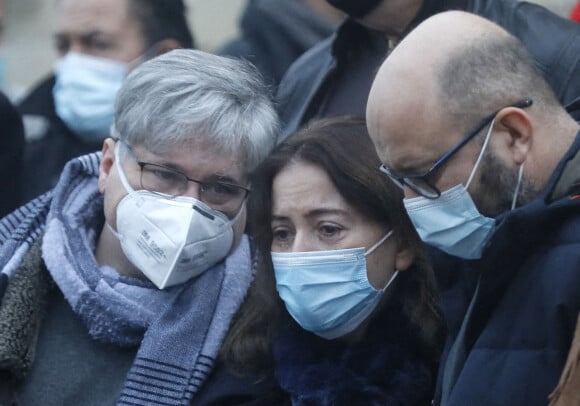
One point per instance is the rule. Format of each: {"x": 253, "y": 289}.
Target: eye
{"x": 218, "y": 188}
{"x": 164, "y": 174}
{"x": 159, "y": 179}
{"x": 96, "y": 43}
{"x": 62, "y": 44}
{"x": 281, "y": 234}
{"x": 330, "y": 231}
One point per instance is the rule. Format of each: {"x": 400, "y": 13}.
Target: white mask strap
{"x": 382, "y": 240}
{"x": 517, "y": 191}
{"x": 391, "y": 280}
{"x": 237, "y": 216}
{"x": 480, "y": 154}
{"x": 122, "y": 176}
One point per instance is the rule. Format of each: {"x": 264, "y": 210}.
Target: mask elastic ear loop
{"x": 517, "y": 191}
{"x": 122, "y": 176}
{"x": 487, "y": 137}
{"x": 124, "y": 181}
{"x": 382, "y": 240}
{"x": 391, "y": 280}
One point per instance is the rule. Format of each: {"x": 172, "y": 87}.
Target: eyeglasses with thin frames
{"x": 420, "y": 183}
{"x": 223, "y": 196}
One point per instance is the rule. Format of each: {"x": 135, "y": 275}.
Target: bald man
{"x": 490, "y": 165}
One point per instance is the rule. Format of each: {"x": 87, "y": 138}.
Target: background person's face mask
{"x": 452, "y": 222}
{"x": 170, "y": 240}
{"x": 84, "y": 94}
{"x": 327, "y": 292}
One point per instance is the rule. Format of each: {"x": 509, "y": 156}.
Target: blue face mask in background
{"x": 85, "y": 92}
{"x": 3, "y": 85}
{"x": 327, "y": 292}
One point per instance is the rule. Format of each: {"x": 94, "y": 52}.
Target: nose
{"x": 75, "y": 45}
{"x": 193, "y": 190}
{"x": 302, "y": 243}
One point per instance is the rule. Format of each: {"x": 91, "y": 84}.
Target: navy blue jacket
{"x": 553, "y": 41}
{"x": 512, "y": 344}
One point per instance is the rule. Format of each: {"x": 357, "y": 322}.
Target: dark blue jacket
{"x": 512, "y": 344}
{"x": 553, "y": 41}
{"x": 276, "y": 32}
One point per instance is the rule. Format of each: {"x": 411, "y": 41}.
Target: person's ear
{"x": 518, "y": 127}
{"x": 166, "y": 45}
{"x": 404, "y": 259}
{"x": 107, "y": 162}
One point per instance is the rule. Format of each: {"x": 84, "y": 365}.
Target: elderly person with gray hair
{"x": 119, "y": 285}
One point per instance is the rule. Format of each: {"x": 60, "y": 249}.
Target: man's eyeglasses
{"x": 223, "y": 196}
{"x": 420, "y": 183}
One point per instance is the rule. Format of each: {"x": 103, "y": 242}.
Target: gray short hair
{"x": 188, "y": 95}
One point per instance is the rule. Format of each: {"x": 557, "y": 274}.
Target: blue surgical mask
{"x": 2, "y": 72}
{"x": 327, "y": 292}
{"x": 85, "y": 92}
{"x": 452, "y": 222}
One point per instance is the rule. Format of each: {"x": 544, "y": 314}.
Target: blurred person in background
{"x": 335, "y": 76}
{"x": 11, "y": 143}
{"x": 276, "y": 32}
{"x": 98, "y": 43}
{"x": 120, "y": 285}
{"x": 575, "y": 12}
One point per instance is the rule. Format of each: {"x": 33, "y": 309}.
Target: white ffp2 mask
{"x": 170, "y": 239}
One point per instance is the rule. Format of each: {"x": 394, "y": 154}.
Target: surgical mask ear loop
{"x": 517, "y": 191}
{"x": 382, "y": 240}
{"x": 374, "y": 247}
{"x": 479, "y": 158}
{"x": 391, "y": 280}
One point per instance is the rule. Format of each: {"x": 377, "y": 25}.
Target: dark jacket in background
{"x": 50, "y": 144}
{"x": 335, "y": 76}
{"x": 276, "y": 32}
{"x": 11, "y": 150}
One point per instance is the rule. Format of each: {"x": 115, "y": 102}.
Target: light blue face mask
{"x": 452, "y": 222}
{"x": 327, "y": 292}
{"x": 2, "y": 72}
{"x": 85, "y": 92}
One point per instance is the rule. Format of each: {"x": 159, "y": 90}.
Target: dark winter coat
{"x": 11, "y": 150}
{"x": 513, "y": 342}
{"x": 325, "y": 73}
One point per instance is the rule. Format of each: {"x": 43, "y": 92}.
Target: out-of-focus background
{"x": 28, "y": 46}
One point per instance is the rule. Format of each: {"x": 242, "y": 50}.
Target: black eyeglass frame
{"x": 201, "y": 183}
{"x": 408, "y": 180}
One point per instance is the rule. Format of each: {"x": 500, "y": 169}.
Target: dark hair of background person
{"x": 163, "y": 19}
{"x": 342, "y": 148}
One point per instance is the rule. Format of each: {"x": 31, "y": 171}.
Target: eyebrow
{"x": 316, "y": 213}
{"x": 215, "y": 177}
{"x": 82, "y": 35}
